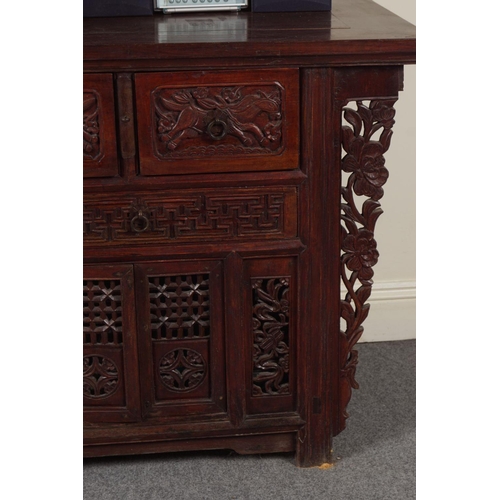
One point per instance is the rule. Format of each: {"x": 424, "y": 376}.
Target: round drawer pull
{"x": 139, "y": 223}
{"x": 217, "y": 129}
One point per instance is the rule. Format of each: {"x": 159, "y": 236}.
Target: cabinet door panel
{"x": 110, "y": 366}
{"x": 100, "y": 157}
{"x": 182, "y": 353}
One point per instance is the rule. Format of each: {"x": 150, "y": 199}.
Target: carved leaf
{"x": 354, "y": 119}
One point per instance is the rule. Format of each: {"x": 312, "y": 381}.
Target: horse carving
{"x": 253, "y": 118}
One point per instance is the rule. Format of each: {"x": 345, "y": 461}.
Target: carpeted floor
{"x": 377, "y": 452}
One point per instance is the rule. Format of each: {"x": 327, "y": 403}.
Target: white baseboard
{"x": 392, "y": 312}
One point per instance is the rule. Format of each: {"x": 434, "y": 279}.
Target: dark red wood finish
{"x": 241, "y": 185}
{"x": 100, "y": 157}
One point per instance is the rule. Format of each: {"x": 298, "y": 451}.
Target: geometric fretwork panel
{"x": 270, "y": 336}
{"x": 102, "y": 312}
{"x": 179, "y": 306}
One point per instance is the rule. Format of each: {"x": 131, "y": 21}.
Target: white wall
{"x": 393, "y": 300}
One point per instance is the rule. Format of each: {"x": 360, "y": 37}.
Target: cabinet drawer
{"x": 194, "y": 122}
{"x": 100, "y": 157}
{"x": 214, "y": 214}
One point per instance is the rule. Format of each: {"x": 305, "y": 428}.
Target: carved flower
{"x": 361, "y": 253}
{"x": 367, "y": 162}
{"x": 200, "y": 93}
{"x": 382, "y": 112}
{"x": 231, "y": 94}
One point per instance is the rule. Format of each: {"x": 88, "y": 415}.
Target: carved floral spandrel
{"x": 91, "y": 144}
{"x": 251, "y": 115}
{"x": 364, "y": 140}
{"x": 270, "y": 336}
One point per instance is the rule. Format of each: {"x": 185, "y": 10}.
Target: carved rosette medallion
{"x": 91, "y": 143}
{"x": 270, "y": 336}
{"x": 365, "y": 139}
{"x": 100, "y": 377}
{"x": 182, "y": 370}
{"x": 205, "y": 121}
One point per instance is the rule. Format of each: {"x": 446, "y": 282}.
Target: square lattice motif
{"x": 179, "y": 306}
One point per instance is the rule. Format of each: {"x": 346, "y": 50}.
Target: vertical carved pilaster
{"x": 365, "y": 139}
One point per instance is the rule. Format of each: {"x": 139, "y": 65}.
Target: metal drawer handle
{"x": 217, "y": 129}
{"x": 139, "y": 223}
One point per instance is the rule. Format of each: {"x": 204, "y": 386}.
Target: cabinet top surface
{"x": 353, "y": 30}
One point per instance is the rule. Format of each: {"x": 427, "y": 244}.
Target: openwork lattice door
{"x": 182, "y": 344}
{"x": 110, "y": 368}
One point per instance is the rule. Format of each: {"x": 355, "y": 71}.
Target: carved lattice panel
{"x": 110, "y": 365}
{"x": 271, "y": 358}
{"x": 179, "y": 306}
{"x": 240, "y": 214}
{"x": 271, "y": 338}
{"x": 102, "y": 312}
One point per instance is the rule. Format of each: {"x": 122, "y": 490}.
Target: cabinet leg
{"x": 314, "y": 448}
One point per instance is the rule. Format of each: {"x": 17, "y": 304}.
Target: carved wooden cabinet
{"x": 233, "y": 169}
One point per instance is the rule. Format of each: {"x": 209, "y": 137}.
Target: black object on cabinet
{"x": 291, "y": 5}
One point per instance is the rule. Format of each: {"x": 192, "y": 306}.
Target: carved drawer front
{"x": 228, "y": 121}
{"x": 237, "y": 214}
{"x": 110, "y": 365}
{"x": 271, "y": 310}
{"x": 182, "y": 338}
{"x": 100, "y": 157}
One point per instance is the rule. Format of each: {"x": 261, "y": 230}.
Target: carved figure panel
{"x": 190, "y": 217}
{"x": 217, "y": 120}
{"x": 100, "y": 158}
{"x": 220, "y": 121}
{"x": 366, "y": 136}
{"x": 270, "y": 336}
{"x": 91, "y": 142}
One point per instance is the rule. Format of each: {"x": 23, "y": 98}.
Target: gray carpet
{"x": 377, "y": 452}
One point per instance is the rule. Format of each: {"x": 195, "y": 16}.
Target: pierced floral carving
{"x": 91, "y": 143}
{"x": 364, "y": 140}
{"x": 100, "y": 377}
{"x": 241, "y": 120}
{"x": 270, "y": 336}
{"x": 182, "y": 370}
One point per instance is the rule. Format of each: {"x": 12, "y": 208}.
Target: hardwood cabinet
{"x": 233, "y": 177}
